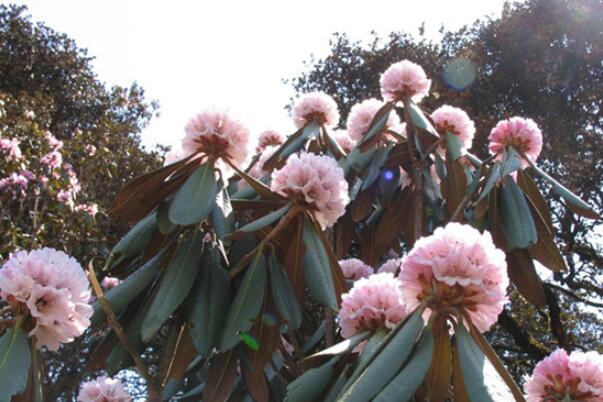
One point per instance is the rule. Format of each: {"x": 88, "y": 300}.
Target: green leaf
{"x": 359, "y": 160}
{"x": 453, "y": 146}
{"x": 419, "y": 119}
{"x": 176, "y": 283}
{"x": 195, "y": 200}
{"x": 311, "y": 384}
{"x": 164, "y": 224}
{"x": 317, "y": 270}
{"x": 481, "y": 380}
{"x": 440, "y": 166}
{"x": 293, "y": 144}
{"x": 375, "y": 167}
{"x": 15, "y": 360}
{"x": 283, "y": 294}
{"x": 372, "y": 376}
{"x": 403, "y": 386}
{"x": 342, "y": 347}
{"x": 377, "y": 125}
{"x": 211, "y": 298}
{"x": 517, "y": 222}
{"x": 261, "y": 222}
{"x": 121, "y": 295}
{"x": 222, "y": 218}
{"x": 512, "y": 161}
{"x": 137, "y": 238}
{"x": 493, "y": 177}
{"x": 247, "y": 303}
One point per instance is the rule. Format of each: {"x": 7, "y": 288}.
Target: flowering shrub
{"x": 315, "y": 106}
{"x": 523, "y": 134}
{"x": 103, "y": 389}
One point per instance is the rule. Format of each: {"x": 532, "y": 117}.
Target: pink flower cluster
{"x": 10, "y": 148}
{"x": 110, "y": 282}
{"x": 457, "y": 122}
{"x": 103, "y": 389}
{"x": 315, "y": 181}
{"x": 90, "y": 149}
{"x": 53, "y": 159}
{"x": 393, "y": 266}
{"x": 91, "y": 209}
{"x": 520, "y": 133}
{"x": 257, "y": 170}
{"x": 268, "y": 138}
{"x": 219, "y": 135}
{"x": 563, "y": 377}
{"x": 403, "y": 79}
{"x": 362, "y": 114}
{"x": 373, "y": 303}
{"x": 457, "y": 267}
{"x": 354, "y": 269}
{"x": 344, "y": 140}
{"x": 15, "y": 184}
{"x": 52, "y": 141}
{"x": 52, "y": 287}
{"x": 315, "y": 106}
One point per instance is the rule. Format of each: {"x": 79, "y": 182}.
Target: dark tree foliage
{"x": 542, "y": 59}
{"x": 46, "y": 72}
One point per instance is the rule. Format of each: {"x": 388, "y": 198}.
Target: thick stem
{"x": 411, "y": 135}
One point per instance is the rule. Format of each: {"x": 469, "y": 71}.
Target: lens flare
{"x": 460, "y": 73}
{"x": 249, "y": 340}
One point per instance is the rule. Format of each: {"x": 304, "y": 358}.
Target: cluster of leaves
{"x": 542, "y": 60}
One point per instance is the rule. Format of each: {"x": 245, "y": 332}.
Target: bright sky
{"x": 192, "y": 54}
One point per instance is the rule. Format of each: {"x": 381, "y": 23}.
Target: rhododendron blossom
{"x": 65, "y": 197}
{"x": 354, "y": 269}
{"x": 344, "y": 140}
{"x": 103, "y": 389}
{"x": 90, "y": 208}
{"x": 90, "y": 149}
{"x": 53, "y": 159}
{"x": 53, "y": 289}
{"x": 257, "y": 170}
{"x": 457, "y": 267}
{"x": 268, "y": 138}
{"x": 316, "y": 182}
{"x": 10, "y": 149}
{"x": 52, "y": 141}
{"x": 15, "y": 184}
{"x": 315, "y": 106}
{"x": 362, "y": 114}
{"x": 563, "y": 377}
{"x": 392, "y": 266}
{"x": 520, "y": 133}
{"x": 454, "y": 120}
{"x": 404, "y": 79}
{"x": 373, "y": 303}
{"x": 110, "y": 282}
{"x": 218, "y": 135}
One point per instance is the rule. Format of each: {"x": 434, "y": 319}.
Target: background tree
{"x": 541, "y": 59}
{"x": 50, "y": 95}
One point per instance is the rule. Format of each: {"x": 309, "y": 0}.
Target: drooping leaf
{"x": 176, "y": 282}
{"x": 261, "y": 222}
{"x": 376, "y": 127}
{"x": 516, "y": 217}
{"x": 493, "y": 177}
{"x": 342, "y": 347}
{"x": 317, "y": 271}
{"x": 523, "y": 275}
{"x": 403, "y": 386}
{"x": 246, "y": 304}
{"x": 283, "y": 294}
{"x": 361, "y": 206}
{"x": 293, "y": 144}
{"x": 256, "y": 384}
{"x": 454, "y": 145}
{"x": 211, "y": 298}
{"x": 546, "y": 250}
{"x": 454, "y": 187}
{"x": 137, "y": 238}
{"x": 164, "y": 224}
{"x": 195, "y": 200}
{"x": 222, "y": 217}
{"x": 359, "y": 160}
{"x": 258, "y": 185}
{"x": 438, "y": 377}
{"x": 311, "y": 384}
{"x": 15, "y": 360}
{"x": 221, "y": 378}
{"x": 533, "y": 194}
{"x": 511, "y": 161}
{"x": 419, "y": 119}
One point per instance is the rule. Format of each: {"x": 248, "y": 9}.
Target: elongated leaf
{"x": 211, "y": 298}
{"x": 137, "y": 238}
{"x": 358, "y": 160}
{"x": 258, "y": 185}
{"x": 493, "y": 177}
{"x": 293, "y": 144}
{"x": 512, "y": 161}
{"x": 523, "y": 275}
{"x": 177, "y": 281}
{"x": 260, "y": 223}
{"x": 420, "y": 120}
{"x": 382, "y": 366}
{"x": 310, "y": 385}
{"x": 315, "y": 338}
{"x": 438, "y": 377}
{"x": 376, "y": 127}
{"x": 546, "y": 250}
{"x": 256, "y": 384}
{"x": 403, "y": 386}
{"x": 283, "y": 294}
{"x": 221, "y": 378}
{"x": 121, "y": 295}
{"x": 454, "y": 145}
{"x": 195, "y": 200}
{"x": 454, "y": 187}
{"x": 533, "y": 194}
{"x": 317, "y": 270}
{"x": 516, "y": 218}
{"x": 481, "y": 380}
{"x": 15, "y": 360}
{"x": 222, "y": 218}
{"x": 164, "y": 224}
{"x": 247, "y": 303}
{"x": 342, "y": 347}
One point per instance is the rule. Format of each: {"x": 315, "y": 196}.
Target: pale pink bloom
{"x": 103, "y": 389}
{"x": 110, "y": 282}
{"x": 315, "y": 181}
{"x": 520, "y": 133}
{"x": 373, "y": 303}
{"x": 54, "y": 289}
{"x": 362, "y": 114}
{"x": 257, "y": 171}
{"x": 393, "y": 265}
{"x": 29, "y": 114}
{"x": 10, "y": 148}
{"x": 344, "y": 140}
{"x": 174, "y": 155}
{"x": 315, "y": 106}
{"x": 403, "y": 79}
{"x": 53, "y": 159}
{"x": 90, "y": 208}
{"x": 65, "y": 197}
{"x": 456, "y": 121}
{"x": 354, "y": 269}
{"x": 218, "y": 135}
{"x": 460, "y": 267}
{"x": 15, "y": 184}
{"x": 90, "y": 149}
{"x": 577, "y": 377}
{"x": 269, "y": 137}
{"x": 52, "y": 141}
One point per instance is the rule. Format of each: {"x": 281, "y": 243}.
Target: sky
{"x": 189, "y": 55}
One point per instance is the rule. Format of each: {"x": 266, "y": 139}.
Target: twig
{"x": 575, "y": 296}
{"x": 154, "y": 394}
